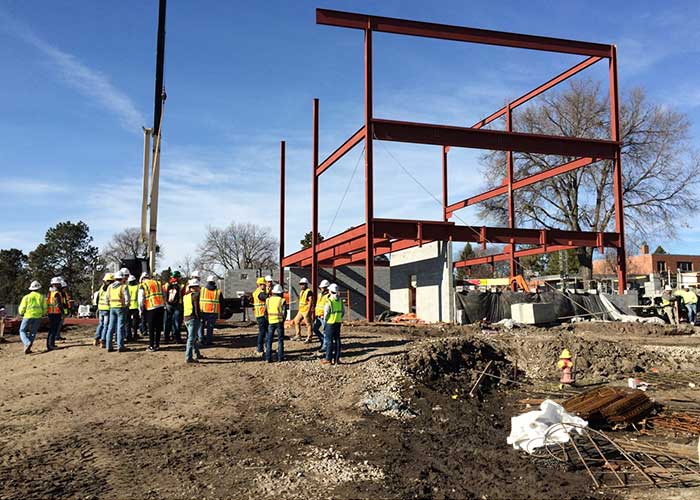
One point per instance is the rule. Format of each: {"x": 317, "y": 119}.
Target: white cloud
{"x": 89, "y": 82}
{"x": 16, "y": 186}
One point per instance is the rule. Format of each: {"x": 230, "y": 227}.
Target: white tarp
{"x": 627, "y": 318}
{"x": 528, "y": 430}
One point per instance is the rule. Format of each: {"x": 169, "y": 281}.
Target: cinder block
{"x": 533, "y": 314}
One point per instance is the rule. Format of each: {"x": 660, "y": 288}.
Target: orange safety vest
{"x": 258, "y": 305}
{"x": 209, "y": 300}
{"x": 153, "y": 294}
{"x": 53, "y": 307}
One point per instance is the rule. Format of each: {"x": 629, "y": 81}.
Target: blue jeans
{"x": 262, "y": 332}
{"x": 28, "y": 329}
{"x": 332, "y": 334}
{"x": 692, "y": 311}
{"x": 102, "y": 325}
{"x": 192, "y": 330}
{"x": 172, "y": 322}
{"x": 207, "y": 330}
{"x": 54, "y": 329}
{"x": 271, "y": 329}
{"x": 116, "y": 323}
{"x": 318, "y": 329}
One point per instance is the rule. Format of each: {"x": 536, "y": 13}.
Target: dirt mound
{"x": 451, "y": 362}
{"x": 633, "y": 329}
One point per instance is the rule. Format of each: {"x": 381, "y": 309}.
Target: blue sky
{"x": 77, "y": 86}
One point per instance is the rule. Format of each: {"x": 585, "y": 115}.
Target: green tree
{"x": 68, "y": 252}
{"x": 562, "y": 262}
{"x": 660, "y": 251}
{"x": 479, "y": 270}
{"x": 306, "y": 242}
{"x": 14, "y": 277}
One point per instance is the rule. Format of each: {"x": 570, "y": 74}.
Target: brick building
{"x": 648, "y": 263}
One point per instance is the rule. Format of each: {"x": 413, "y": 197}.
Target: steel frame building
{"x": 381, "y": 236}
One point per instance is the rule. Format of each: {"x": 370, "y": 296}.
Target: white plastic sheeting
{"x": 627, "y": 318}
{"x": 529, "y": 430}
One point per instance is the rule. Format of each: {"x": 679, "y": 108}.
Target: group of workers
{"x": 672, "y": 301}
{"x": 128, "y": 308}
{"x": 322, "y": 316}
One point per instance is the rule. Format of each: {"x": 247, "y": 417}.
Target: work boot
{"x": 28, "y": 349}
{"x": 123, "y": 349}
{"x": 97, "y": 342}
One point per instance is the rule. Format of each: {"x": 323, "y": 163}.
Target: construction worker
{"x": 690, "y": 301}
{"x": 133, "y": 317}
{"x": 173, "y": 303}
{"x": 566, "y": 366}
{"x": 192, "y": 315}
{"x": 276, "y": 310}
{"x": 125, "y": 325}
{"x": 102, "y": 302}
{"x": 67, "y": 304}
{"x": 118, "y": 305}
{"x": 269, "y": 283}
{"x": 304, "y": 314}
{"x": 333, "y": 313}
{"x": 259, "y": 298}
{"x": 668, "y": 301}
{"x": 32, "y": 308}
{"x": 3, "y": 315}
{"x": 152, "y": 304}
{"x": 319, "y": 324}
{"x": 55, "y": 310}
{"x": 210, "y": 302}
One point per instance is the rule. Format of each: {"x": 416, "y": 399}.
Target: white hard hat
{"x": 132, "y": 277}
{"x": 268, "y": 278}
{"x": 143, "y": 275}
{"x": 195, "y": 274}
{"x": 333, "y": 288}
{"x": 668, "y": 288}
{"x": 193, "y": 282}
{"x": 211, "y": 279}
{"x": 35, "y": 285}
{"x": 303, "y": 281}
{"x": 118, "y": 275}
{"x": 125, "y": 271}
{"x": 277, "y": 289}
{"x": 324, "y": 284}
{"x": 55, "y": 281}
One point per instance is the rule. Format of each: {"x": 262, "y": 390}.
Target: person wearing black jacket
{"x": 173, "y": 304}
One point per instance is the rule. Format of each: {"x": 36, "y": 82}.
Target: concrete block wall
{"x": 350, "y": 278}
{"x": 431, "y": 265}
{"x": 241, "y": 280}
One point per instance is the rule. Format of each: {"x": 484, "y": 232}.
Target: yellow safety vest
{"x": 116, "y": 296}
{"x": 258, "y": 305}
{"x": 52, "y": 303}
{"x": 209, "y": 300}
{"x": 33, "y": 306}
{"x": 304, "y": 304}
{"x": 153, "y": 295}
{"x": 275, "y": 306}
{"x": 336, "y": 315}
{"x": 321, "y": 304}
{"x": 187, "y": 305}
{"x": 66, "y": 301}
{"x": 102, "y": 300}
{"x": 133, "y": 296}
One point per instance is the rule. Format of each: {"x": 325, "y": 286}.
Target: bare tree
{"x": 126, "y": 244}
{"x": 187, "y": 265}
{"x": 238, "y": 246}
{"x": 658, "y": 167}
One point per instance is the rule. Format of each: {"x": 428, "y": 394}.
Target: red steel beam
{"x": 527, "y": 181}
{"x": 348, "y": 235}
{"x": 441, "y": 231}
{"x": 617, "y": 173}
{"x": 459, "y": 33}
{"x": 353, "y": 141}
{"x": 490, "y": 259}
{"x": 444, "y": 135}
{"x": 539, "y": 90}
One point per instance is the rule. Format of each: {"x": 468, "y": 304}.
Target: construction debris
{"x": 676, "y": 422}
{"x": 611, "y": 405}
{"x": 548, "y": 425}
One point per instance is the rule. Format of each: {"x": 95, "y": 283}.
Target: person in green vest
{"x": 32, "y": 308}
{"x": 101, "y": 300}
{"x": 192, "y": 315}
{"x": 333, "y": 314}
{"x": 133, "y": 320}
{"x": 276, "y": 310}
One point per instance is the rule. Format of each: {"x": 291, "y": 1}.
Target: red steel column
{"x": 617, "y": 174}
{"x": 445, "y": 201}
{"x": 282, "y": 201}
{"x": 314, "y": 203}
{"x": 511, "y": 204}
{"x": 369, "y": 181}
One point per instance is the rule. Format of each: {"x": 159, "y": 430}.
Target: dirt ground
{"x": 81, "y": 423}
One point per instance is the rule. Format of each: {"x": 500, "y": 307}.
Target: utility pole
{"x": 159, "y": 98}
